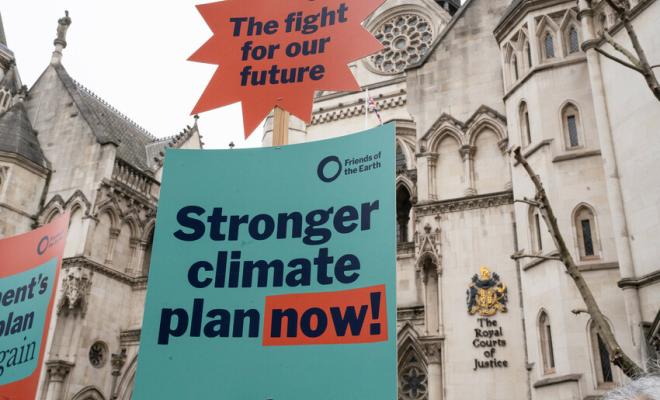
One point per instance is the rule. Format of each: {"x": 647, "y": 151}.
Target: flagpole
{"x": 280, "y": 127}
{"x": 366, "y": 109}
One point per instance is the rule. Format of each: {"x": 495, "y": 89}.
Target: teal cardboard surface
{"x": 23, "y": 311}
{"x": 273, "y": 274}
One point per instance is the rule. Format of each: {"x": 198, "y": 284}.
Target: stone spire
{"x": 6, "y": 55}
{"x": 3, "y": 38}
{"x": 60, "y": 41}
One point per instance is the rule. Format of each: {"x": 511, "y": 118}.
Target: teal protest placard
{"x": 274, "y": 274}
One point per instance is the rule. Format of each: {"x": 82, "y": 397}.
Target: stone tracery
{"x": 407, "y": 38}
{"x": 413, "y": 380}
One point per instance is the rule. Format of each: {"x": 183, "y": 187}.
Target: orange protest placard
{"x": 277, "y": 53}
{"x": 29, "y": 271}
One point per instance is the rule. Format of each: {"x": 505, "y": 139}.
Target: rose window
{"x": 407, "y": 38}
{"x": 98, "y": 354}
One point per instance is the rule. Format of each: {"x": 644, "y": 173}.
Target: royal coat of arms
{"x": 487, "y": 294}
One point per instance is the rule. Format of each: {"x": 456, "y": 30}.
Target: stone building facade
{"x": 63, "y": 148}
{"x": 464, "y": 85}
{"x": 501, "y": 74}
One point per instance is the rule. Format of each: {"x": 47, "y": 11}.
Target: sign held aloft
{"x": 285, "y": 283}
{"x": 277, "y": 53}
{"x": 29, "y": 269}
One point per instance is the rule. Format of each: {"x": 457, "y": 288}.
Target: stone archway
{"x": 125, "y": 388}
{"x": 89, "y": 393}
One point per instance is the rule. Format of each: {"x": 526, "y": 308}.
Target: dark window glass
{"x": 400, "y": 159}
{"x": 571, "y": 121}
{"x": 574, "y": 41}
{"x": 403, "y": 207}
{"x": 551, "y": 352}
{"x": 539, "y": 241}
{"x": 529, "y": 55}
{"x": 514, "y": 64}
{"x": 605, "y": 366}
{"x": 549, "y": 46}
{"x": 528, "y": 131}
{"x": 587, "y": 238}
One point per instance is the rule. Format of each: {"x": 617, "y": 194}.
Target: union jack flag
{"x": 373, "y": 107}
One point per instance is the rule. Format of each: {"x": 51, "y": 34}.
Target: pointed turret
{"x": 10, "y": 86}
{"x": 6, "y": 55}
{"x": 3, "y": 38}
{"x": 60, "y": 41}
{"x": 17, "y": 136}
{"x": 10, "y": 81}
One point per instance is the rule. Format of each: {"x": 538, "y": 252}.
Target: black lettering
{"x": 306, "y": 322}
{"x": 345, "y": 264}
{"x": 193, "y": 274}
{"x": 185, "y": 220}
{"x": 167, "y": 316}
{"x": 291, "y": 316}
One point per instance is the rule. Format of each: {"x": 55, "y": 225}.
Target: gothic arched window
{"x": 124, "y": 248}
{"x": 413, "y": 381}
{"x": 525, "y": 128}
{"x": 5, "y": 99}
{"x": 510, "y": 70}
{"x": 547, "y": 347}
{"x": 3, "y": 172}
{"x": 75, "y": 234}
{"x": 535, "y": 230}
{"x": 549, "y": 46}
{"x": 432, "y": 300}
{"x": 101, "y": 237}
{"x": 573, "y": 40}
{"x": 601, "y": 357}
{"x": 571, "y": 122}
{"x": 587, "y": 235}
{"x": 514, "y": 68}
{"x": 528, "y": 55}
{"x": 146, "y": 261}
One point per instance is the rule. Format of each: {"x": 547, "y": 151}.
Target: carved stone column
{"x": 504, "y": 148}
{"x": 140, "y": 261}
{"x": 467, "y": 154}
{"x": 425, "y": 281}
{"x": 57, "y": 371}
{"x": 618, "y": 219}
{"x": 434, "y": 368}
{"x": 429, "y": 266}
{"x": 136, "y": 257}
{"x": 114, "y": 235}
{"x": 432, "y": 161}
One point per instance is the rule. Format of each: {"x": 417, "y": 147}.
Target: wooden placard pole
{"x": 281, "y": 127}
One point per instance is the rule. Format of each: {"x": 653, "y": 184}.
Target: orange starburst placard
{"x": 277, "y": 53}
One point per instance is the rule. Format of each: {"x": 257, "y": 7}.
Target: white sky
{"x": 132, "y": 54}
